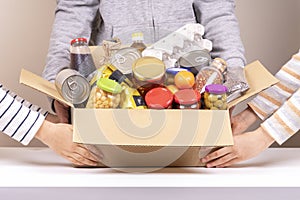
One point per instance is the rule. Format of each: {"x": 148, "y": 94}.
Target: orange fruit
{"x": 184, "y": 80}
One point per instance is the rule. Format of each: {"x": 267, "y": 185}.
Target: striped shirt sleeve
{"x": 285, "y": 121}
{"x": 269, "y": 100}
{"x": 16, "y": 120}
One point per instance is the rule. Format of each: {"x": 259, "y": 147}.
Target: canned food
{"x": 148, "y": 72}
{"x": 187, "y": 99}
{"x": 194, "y": 60}
{"x": 215, "y": 97}
{"x": 124, "y": 58}
{"x": 73, "y": 87}
{"x": 159, "y": 98}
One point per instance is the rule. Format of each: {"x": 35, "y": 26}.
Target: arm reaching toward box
{"x": 284, "y": 123}
{"x": 23, "y": 121}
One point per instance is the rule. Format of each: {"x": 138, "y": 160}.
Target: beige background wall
{"x": 270, "y": 31}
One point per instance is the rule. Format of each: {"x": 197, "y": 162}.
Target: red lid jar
{"x": 187, "y": 99}
{"x": 159, "y": 98}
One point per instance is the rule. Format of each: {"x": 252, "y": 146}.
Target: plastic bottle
{"x": 81, "y": 57}
{"x": 138, "y": 41}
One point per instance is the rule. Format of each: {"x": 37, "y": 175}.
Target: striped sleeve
{"x": 269, "y": 100}
{"x": 285, "y": 121}
{"x": 25, "y": 102}
{"x": 17, "y": 120}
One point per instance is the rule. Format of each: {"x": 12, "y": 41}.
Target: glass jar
{"x": 148, "y": 72}
{"x": 215, "y": 97}
{"x": 159, "y": 98}
{"x": 107, "y": 93}
{"x": 187, "y": 99}
{"x": 81, "y": 57}
{"x": 215, "y": 73}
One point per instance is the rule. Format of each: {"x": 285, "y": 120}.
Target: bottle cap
{"x": 79, "y": 40}
{"x": 216, "y": 89}
{"x": 187, "y": 96}
{"x": 138, "y": 36}
{"x": 159, "y": 98}
{"x": 109, "y": 85}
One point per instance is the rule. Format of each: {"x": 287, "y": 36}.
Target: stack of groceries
{"x": 176, "y": 72}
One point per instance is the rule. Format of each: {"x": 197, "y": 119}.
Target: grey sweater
{"x": 103, "y": 19}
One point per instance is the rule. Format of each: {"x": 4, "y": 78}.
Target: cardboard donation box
{"x": 153, "y": 138}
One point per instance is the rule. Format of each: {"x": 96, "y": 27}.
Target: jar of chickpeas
{"x": 108, "y": 94}
{"x": 215, "y": 97}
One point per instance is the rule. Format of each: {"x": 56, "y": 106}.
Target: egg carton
{"x": 186, "y": 39}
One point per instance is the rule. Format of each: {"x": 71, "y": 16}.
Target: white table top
{"x": 41, "y": 167}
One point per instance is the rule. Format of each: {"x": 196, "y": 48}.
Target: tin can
{"x": 159, "y": 98}
{"x": 124, "y": 58}
{"x": 194, "y": 60}
{"x": 187, "y": 99}
{"x": 148, "y": 72}
{"x": 73, "y": 87}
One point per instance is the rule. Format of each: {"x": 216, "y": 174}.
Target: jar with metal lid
{"x": 215, "y": 97}
{"x": 194, "y": 60}
{"x": 159, "y": 98}
{"x": 187, "y": 99}
{"x": 107, "y": 94}
{"x": 124, "y": 58}
{"x": 215, "y": 73}
{"x": 148, "y": 72}
{"x": 81, "y": 57}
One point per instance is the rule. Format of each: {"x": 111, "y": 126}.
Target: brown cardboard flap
{"x": 152, "y": 127}
{"x": 36, "y": 82}
{"x": 259, "y": 78}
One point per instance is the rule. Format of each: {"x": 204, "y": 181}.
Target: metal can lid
{"x": 216, "y": 89}
{"x": 148, "y": 69}
{"x": 75, "y": 89}
{"x": 159, "y": 98}
{"x": 187, "y": 96}
{"x": 197, "y": 58}
{"x": 124, "y": 58}
{"x": 109, "y": 85}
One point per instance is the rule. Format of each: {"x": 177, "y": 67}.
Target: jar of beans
{"x": 108, "y": 93}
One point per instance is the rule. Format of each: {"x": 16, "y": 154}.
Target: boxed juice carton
{"x": 146, "y": 138}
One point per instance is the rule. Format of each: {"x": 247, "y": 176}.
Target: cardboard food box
{"x": 153, "y": 138}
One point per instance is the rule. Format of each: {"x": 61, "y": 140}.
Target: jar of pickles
{"x": 148, "y": 72}
{"x": 187, "y": 99}
{"x": 215, "y": 97}
{"x": 107, "y": 94}
{"x": 159, "y": 98}
{"x": 215, "y": 73}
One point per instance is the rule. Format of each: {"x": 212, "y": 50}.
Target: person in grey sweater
{"x": 102, "y": 20}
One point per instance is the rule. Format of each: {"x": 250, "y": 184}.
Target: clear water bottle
{"x": 81, "y": 57}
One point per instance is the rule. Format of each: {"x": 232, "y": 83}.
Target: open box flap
{"x": 36, "y": 82}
